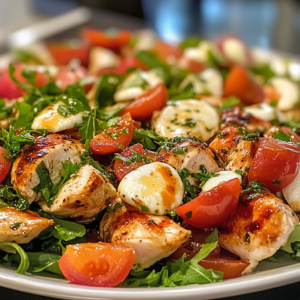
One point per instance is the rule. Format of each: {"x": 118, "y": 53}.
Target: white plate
{"x": 267, "y": 276}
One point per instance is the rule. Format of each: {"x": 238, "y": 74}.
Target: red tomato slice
{"x": 5, "y": 163}
{"x": 212, "y": 208}
{"x": 195, "y": 66}
{"x": 103, "y": 39}
{"x": 143, "y": 106}
{"x": 96, "y": 264}
{"x": 70, "y": 75}
{"x": 238, "y": 83}
{"x": 219, "y": 259}
{"x": 115, "y": 138}
{"x": 10, "y": 90}
{"x": 63, "y": 53}
{"x": 126, "y": 63}
{"x": 122, "y": 168}
{"x": 275, "y": 164}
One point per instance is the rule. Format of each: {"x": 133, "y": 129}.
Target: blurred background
{"x": 264, "y": 23}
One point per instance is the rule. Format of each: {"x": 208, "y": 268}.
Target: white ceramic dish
{"x": 267, "y": 276}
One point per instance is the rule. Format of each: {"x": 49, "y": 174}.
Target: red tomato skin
{"x": 5, "y": 163}
{"x": 70, "y": 75}
{"x": 103, "y": 143}
{"x": 212, "y": 208}
{"x": 219, "y": 259}
{"x": 167, "y": 53}
{"x": 10, "y": 90}
{"x": 63, "y": 53}
{"x": 143, "y": 106}
{"x": 239, "y": 84}
{"x": 275, "y": 160}
{"x": 96, "y": 264}
{"x": 121, "y": 169}
{"x": 102, "y": 39}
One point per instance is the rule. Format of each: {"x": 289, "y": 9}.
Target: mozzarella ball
{"x": 292, "y": 193}
{"x": 221, "y": 178}
{"x": 187, "y": 117}
{"x": 155, "y": 188}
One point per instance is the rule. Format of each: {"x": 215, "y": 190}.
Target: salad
{"x": 126, "y": 161}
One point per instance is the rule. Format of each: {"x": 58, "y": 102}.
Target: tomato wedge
{"x": 63, "y": 53}
{"x": 219, "y": 259}
{"x": 106, "y": 40}
{"x": 275, "y": 164}
{"x": 96, "y": 264}
{"x": 70, "y": 75}
{"x": 143, "y": 106}
{"x": 5, "y": 163}
{"x": 212, "y": 208}
{"x": 10, "y": 90}
{"x": 122, "y": 168}
{"x": 115, "y": 138}
{"x": 238, "y": 83}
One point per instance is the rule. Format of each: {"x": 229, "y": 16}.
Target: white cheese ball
{"x": 187, "y": 117}
{"x": 155, "y": 188}
{"x": 292, "y": 193}
{"x": 221, "y": 178}
{"x": 235, "y": 51}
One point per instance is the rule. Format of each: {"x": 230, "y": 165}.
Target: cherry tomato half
{"x": 107, "y": 40}
{"x": 96, "y": 264}
{"x": 219, "y": 259}
{"x": 275, "y": 164}
{"x": 5, "y": 163}
{"x": 238, "y": 83}
{"x": 63, "y": 53}
{"x": 212, "y": 208}
{"x": 10, "y": 90}
{"x": 143, "y": 106}
{"x": 115, "y": 138}
{"x": 70, "y": 75}
{"x": 122, "y": 168}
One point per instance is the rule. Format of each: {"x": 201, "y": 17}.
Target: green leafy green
{"x": 136, "y": 157}
{"x": 169, "y": 144}
{"x": 264, "y": 71}
{"x": 254, "y": 189}
{"x": 180, "y": 272}
{"x": 15, "y": 248}
{"x": 282, "y": 136}
{"x": 180, "y": 150}
{"x": 5, "y": 110}
{"x": 138, "y": 81}
{"x": 148, "y": 138}
{"x": 230, "y": 102}
{"x": 150, "y": 60}
{"x": 191, "y": 191}
{"x": 204, "y": 175}
{"x": 11, "y": 198}
{"x": 190, "y": 42}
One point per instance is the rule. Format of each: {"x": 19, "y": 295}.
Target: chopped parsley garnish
{"x": 15, "y": 226}
{"x": 230, "y": 102}
{"x": 246, "y": 135}
{"x": 136, "y": 157}
{"x": 113, "y": 134}
{"x": 189, "y": 122}
{"x": 180, "y": 150}
{"x": 204, "y": 175}
{"x": 276, "y": 182}
{"x": 144, "y": 208}
{"x": 255, "y": 187}
{"x": 191, "y": 191}
{"x": 239, "y": 172}
{"x": 188, "y": 214}
{"x": 282, "y": 136}
{"x": 168, "y": 144}
{"x": 11, "y": 198}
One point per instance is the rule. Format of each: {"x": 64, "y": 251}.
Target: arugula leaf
{"x": 187, "y": 93}
{"x": 150, "y": 60}
{"x": 137, "y": 81}
{"x": 191, "y": 191}
{"x": 204, "y": 175}
{"x": 180, "y": 272}
{"x": 15, "y": 248}
{"x": 282, "y": 136}
{"x": 5, "y": 111}
{"x": 169, "y": 144}
{"x": 76, "y": 91}
{"x": 106, "y": 88}
{"x": 264, "y": 71}
{"x": 26, "y": 116}
{"x": 72, "y": 105}
{"x": 293, "y": 124}
{"x": 254, "y": 188}
{"x": 52, "y": 89}
{"x": 11, "y": 198}
{"x": 230, "y": 102}
{"x": 293, "y": 237}
{"x": 190, "y": 42}
{"x": 148, "y": 138}
{"x": 136, "y": 157}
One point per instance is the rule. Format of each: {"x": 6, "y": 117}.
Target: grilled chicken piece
{"x": 242, "y": 157}
{"x": 235, "y": 116}
{"x": 20, "y": 226}
{"x": 193, "y": 156}
{"x": 152, "y": 237}
{"x": 53, "y": 150}
{"x": 225, "y": 144}
{"x": 260, "y": 225}
{"x": 83, "y": 196}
